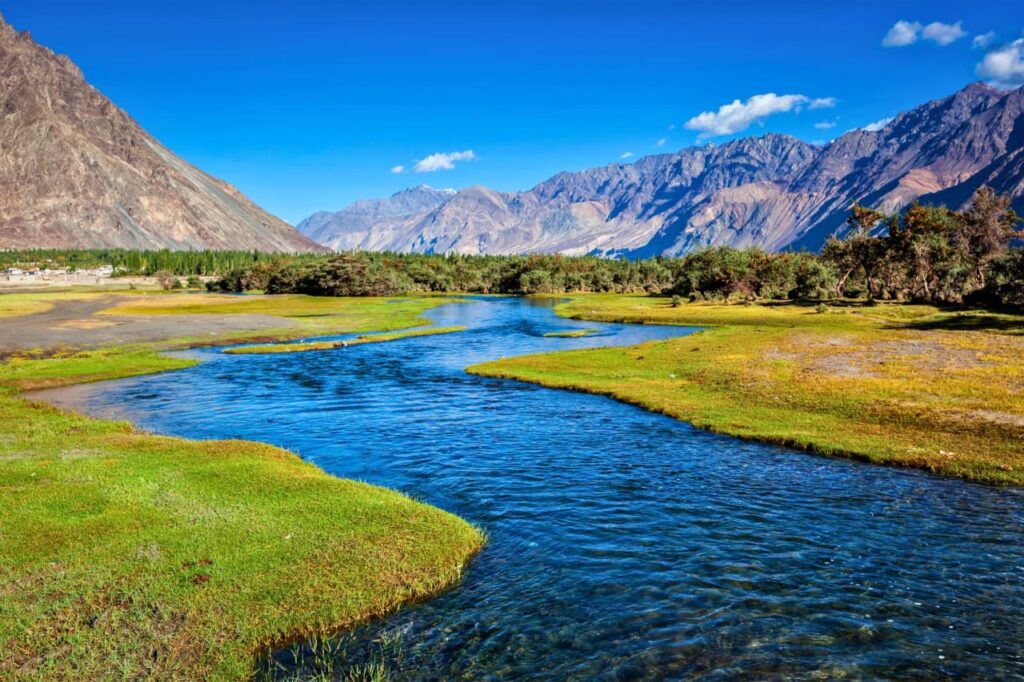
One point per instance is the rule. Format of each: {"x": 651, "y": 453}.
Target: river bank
{"x": 900, "y": 385}
{"x": 125, "y": 553}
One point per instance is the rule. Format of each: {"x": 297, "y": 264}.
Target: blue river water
{"x": 622, "y": 544}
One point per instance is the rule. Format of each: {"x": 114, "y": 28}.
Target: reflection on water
{"x": 622, "y": 544}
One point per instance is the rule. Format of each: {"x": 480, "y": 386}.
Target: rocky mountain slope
{"x": 773, "y": 191}
{"x": 76, "y": 171}
{"x": 372, "y": 224}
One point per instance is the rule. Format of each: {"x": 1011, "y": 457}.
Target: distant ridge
{"x": 78, "y": 172}
{"x": 373, "y": 222}
{"x": 773, "y": 191}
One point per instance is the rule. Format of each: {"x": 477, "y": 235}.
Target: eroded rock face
{"x": 773, "y": 191}
{"x": 78, "y": 172}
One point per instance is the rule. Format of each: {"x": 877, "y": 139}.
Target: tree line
{"x": 718, "y": 273}
{"x": 130, "y": 262}
{"x": 928, "y": 254}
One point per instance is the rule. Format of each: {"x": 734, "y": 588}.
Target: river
{"x": 621, "y": 544}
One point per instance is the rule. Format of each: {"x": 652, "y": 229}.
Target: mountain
{"x": 773, "y": 191}
{"x": 371, "y": 224}
{"x": 78, "y": 172}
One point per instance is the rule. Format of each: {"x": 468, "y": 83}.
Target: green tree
{"x": 988, "y": 226}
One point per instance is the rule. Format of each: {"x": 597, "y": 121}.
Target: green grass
{"x": 129, "y": 555}
{"x": 573, "y": 334}
{"x": 889, "y": 384}
{"x": 275, "y": 348}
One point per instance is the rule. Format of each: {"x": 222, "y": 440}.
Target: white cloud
{"x": 943, "y": 34}
{"x": 905, "y": 33}
{"x": 626, "y": 155}
{"x": 825, "y": 125}
{"x": 672, "y": 127}
{"x": 397, "y": 169}
{"x": 737, "y": 116}
{"x": 902, "y": 33}
{"x": 877, "y": 125}
{"x": 442, "y": 161}
{"x": 1004, "y": 65}
{"x": 661, "y": 142}
{"x": 983, "y": 40}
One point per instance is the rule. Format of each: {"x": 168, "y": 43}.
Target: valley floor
{"x": 126, "y": 554}
{"x": 130, "y": 555}
{"x": 901, "y": 385}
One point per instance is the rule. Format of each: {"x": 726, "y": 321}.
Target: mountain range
{"x": 772, "y": 191}
{"x": 77, "y": 172}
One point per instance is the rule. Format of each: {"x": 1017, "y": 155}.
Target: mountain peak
{"x": 423, "y": 187}
{"x": 977, "y": 87}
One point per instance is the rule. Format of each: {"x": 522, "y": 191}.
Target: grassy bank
{"x": 129, "y": 555}
{"x": 901, "y": 385}
{"x": 311, "y": 315}
{"x": 574, "y": 334}
{"x": 275, "y": 348}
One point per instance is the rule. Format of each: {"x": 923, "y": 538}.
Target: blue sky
{"x": 310, "y": 105}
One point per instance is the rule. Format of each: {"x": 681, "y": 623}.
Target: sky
{"x": 307, "y": 106}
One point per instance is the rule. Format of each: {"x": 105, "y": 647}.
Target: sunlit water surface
{"x": 622, "y": 544}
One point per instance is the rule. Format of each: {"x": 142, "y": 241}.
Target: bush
{"x": 813, "y": 278}
{"x": 344, "y": 275}
{"x": 165, "y": 279}
{"x": 717, "y": 273}
{"x": 1005, "y": 284}
{"x": 541, "y": 282}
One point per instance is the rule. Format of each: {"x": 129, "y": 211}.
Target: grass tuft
{"x": 571, "y": 334}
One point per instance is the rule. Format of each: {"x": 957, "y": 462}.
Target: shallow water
{"x": 622, "y": 544}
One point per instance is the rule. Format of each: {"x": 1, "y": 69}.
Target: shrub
{"x": 813, "y": 278}
{"x": 1005, "y": 285}
{"x": 165, "y": 279}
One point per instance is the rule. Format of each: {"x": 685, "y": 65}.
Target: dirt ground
{"x": 73, "y": 324}
{"x": 81, "y": 282}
